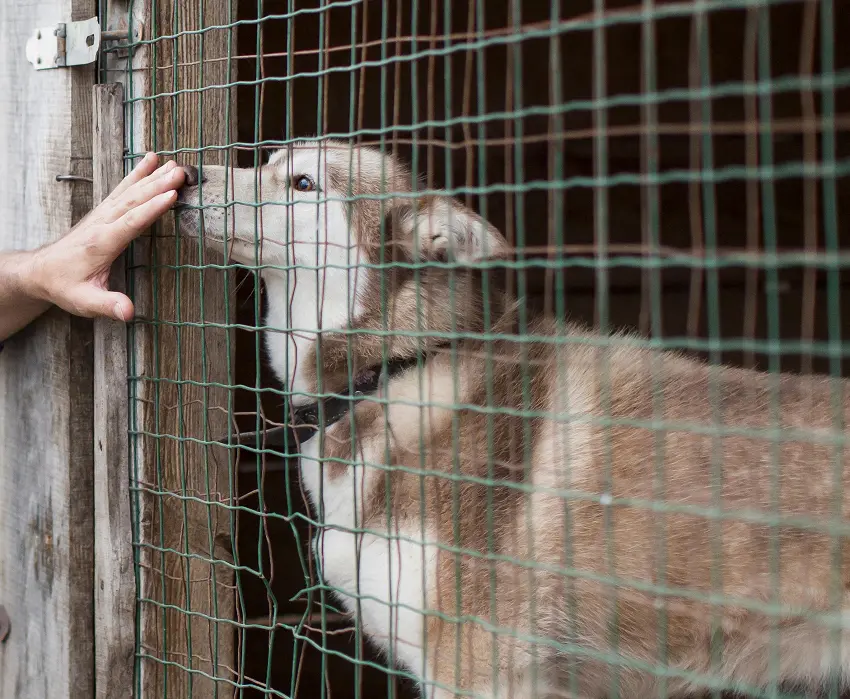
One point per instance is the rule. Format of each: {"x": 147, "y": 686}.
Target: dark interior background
{"x": 698, "y": 146}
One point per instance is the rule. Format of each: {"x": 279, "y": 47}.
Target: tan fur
{"x": 538, "y": 569}
{"x": 585, "y": 459}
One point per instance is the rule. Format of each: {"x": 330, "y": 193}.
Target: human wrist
{"x": 26, "y": 275}
{"x": 22, "y": 296}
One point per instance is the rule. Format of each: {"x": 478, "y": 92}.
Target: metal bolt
{"x": 115, "y": 35}
{"x": 73, "y": 178}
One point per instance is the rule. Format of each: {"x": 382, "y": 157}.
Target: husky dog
{"x": 513, "y": 505}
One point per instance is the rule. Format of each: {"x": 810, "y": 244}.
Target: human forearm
{"x": 19, "y": 300}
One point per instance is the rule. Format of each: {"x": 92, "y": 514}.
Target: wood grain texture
{"x": 183, "y": 486}
{"x": 114, "y": 581}
{"x": 45, "y": 377}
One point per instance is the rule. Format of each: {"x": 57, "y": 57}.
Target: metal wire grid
{"x": 757, "y": 265}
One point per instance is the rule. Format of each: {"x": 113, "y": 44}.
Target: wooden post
{"x": 183, "y": 487}
{"x": 115, "y": 585}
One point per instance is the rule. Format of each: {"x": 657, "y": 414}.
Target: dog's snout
{"x": 192, "y": 176}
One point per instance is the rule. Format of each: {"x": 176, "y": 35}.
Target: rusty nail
{"x": 5, "y": 624}
{"x": 73, "y": 178}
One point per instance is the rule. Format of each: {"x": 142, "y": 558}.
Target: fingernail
{"x": 119, "y": 314}
{"x": 166, "y": 199}
{"x": 148, "y": 157}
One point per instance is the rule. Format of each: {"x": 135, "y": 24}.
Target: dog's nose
{"x": 192, "y": 176}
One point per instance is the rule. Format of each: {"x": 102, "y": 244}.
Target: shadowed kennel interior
{"x": 631, "y": 143}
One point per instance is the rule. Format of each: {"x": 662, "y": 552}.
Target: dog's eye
{"x": 303, "y": 183}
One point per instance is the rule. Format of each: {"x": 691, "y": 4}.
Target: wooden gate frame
{"x": 184, "y": 485}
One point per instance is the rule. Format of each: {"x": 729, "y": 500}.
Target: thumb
{"x": 92, "y": 302}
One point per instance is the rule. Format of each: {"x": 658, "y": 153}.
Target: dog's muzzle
{"x": 193, "y": 178}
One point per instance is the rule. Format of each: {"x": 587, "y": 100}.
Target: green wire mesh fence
{"x": 674, "y": 169}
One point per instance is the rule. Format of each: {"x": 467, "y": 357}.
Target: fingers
{"x": 144, "y": 168}
{"x": 122, "y": 309}
{"x": 104, "y": 236}
{"x": 90, "y": 301}
{"x": 167, "y": 178}
{"x": 135, "y": 221}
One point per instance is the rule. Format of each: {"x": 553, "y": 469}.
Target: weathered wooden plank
{"x": 45, "y": 377}
{"x": 115, "y": 584}
{"x": 183, "y": 488}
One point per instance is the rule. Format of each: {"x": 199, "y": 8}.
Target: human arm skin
{"x": 73, "y": 272}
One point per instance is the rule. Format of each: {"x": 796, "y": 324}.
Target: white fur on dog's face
{"x": 261, "y": 217}
{"x": 313, "y": 246}
{"x": 310, "y": 257}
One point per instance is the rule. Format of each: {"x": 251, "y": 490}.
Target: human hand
{"x": 73, "y": 272}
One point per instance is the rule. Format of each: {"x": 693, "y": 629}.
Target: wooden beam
{"x": 115, "y": 585}
{"x": 183, "y": 485}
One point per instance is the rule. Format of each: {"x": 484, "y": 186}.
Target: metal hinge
{"x": 70, "y": 43}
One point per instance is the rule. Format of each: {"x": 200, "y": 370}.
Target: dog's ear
{"x": 443, "y": 229}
